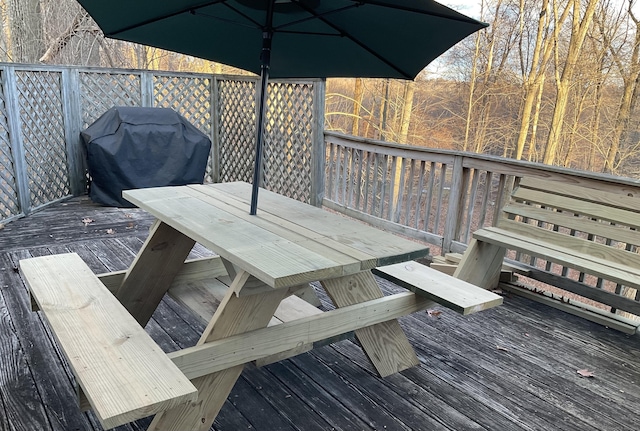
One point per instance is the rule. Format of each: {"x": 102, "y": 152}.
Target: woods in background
{"x": 552, "y": 81}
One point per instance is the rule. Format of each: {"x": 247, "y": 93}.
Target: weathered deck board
{"x": 513, "y": 367}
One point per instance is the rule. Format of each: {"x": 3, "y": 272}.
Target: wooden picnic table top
{"x": 286, "y": 244}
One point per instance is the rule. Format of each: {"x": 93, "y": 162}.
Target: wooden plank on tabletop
{"x": 385, "y": 247}
{"x": 314, "y": 241}
{"x": 276, "y": 261}
{"x": 124, "y": 378}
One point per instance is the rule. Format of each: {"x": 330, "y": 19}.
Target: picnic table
{"x": 268, "y": 258}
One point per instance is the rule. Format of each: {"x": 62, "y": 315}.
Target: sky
{"x": 469, "y": 8}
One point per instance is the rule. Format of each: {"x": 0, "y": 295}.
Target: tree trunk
{"x": 630, "y": 78}
{"x": 407, "y": 106}
{"x": 27, "y": 41}
{"x": 578, "y": 33}
{"x": 358, "y": 91}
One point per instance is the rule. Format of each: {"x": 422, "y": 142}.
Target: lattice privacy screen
{"x": 190, "y": 96}
{"x": 100, "y": 92}
{"x": 9, "y": 205}
{"x": 43, "y": 110}
{"x": 43, "y": 135}
{"x": 288, "y": 135}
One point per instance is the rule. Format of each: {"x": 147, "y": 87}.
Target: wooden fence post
{"x": 215, "y": 130}
{"x": 456, "y": 199}
{"x": 318, "y": 146}
{"x": 72, "y": 119}
{"x": 15, "y": 138}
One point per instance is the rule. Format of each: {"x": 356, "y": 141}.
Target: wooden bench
{"x": 122, "y": 372}
{"x": 450, "y": 292}
{"x": 591, "y": 231}
{"x": 202, "y": 283}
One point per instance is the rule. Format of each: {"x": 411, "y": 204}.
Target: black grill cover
{"x": 132, "y": 148}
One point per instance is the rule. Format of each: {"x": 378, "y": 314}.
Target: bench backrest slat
{"x": 601, "y": 197}
{"x": 578, "y": 206}
{"x": 570, "y": 221}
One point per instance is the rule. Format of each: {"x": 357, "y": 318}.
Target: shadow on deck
{"x": 513, "y": 367}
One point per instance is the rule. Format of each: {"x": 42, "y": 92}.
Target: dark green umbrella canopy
{"x": 311, "y": 38}
{"x": 291, "y": 38}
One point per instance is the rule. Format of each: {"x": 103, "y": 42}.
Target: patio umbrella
{"x": 291, "y": 38}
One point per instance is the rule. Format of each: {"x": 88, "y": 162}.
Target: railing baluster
{"x": 432, "y": 180}
{"x": 407, "y": 210}
{"x": 420, "y": 189}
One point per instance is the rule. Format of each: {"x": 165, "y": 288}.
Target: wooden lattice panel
{"x": 43, "y": 138}
{"x": 236, "y": 130}
{"x": 288, "y": 140}
{"x": 101, "y": 91}
{"x": 288, "y": 135}
{"x": 191, "y": 98}
{"x": 9, "y": 205}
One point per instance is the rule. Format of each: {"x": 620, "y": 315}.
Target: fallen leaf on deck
{"x": 504, "y": 349}
{"x": 585, "y": 373}
{"x": 87, "y": 221}
{"x": 434, "y": 313}
{"x": 130, "y": 226}
{"x": 111, "y": 231}
{"x": 498, "y": 291}
{"x": 128, "y": 215}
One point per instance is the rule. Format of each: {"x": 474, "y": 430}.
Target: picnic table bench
{"x": 593, "y": 232}
{"x": 246, "y": 294}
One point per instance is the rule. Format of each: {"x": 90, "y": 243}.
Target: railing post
{"x": 146, "y": 89}
{"x": 72, "y": 126}
{"x": 318, "y": 146}
{"x": 15, "y": 138}
{"x": 215, "y": 129}
{"x": 456, "y": 197}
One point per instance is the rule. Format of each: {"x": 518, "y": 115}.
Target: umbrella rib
{"x": 354, "y": 40}
{"x": 458, "y": 17}
{"x": 315, "y": 16}
{"x": 165, "y": 16}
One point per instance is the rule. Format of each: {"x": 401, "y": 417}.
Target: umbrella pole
{"x": 262, "y": 109}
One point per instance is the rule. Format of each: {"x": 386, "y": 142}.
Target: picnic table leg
{"x": 481, "y": 264}
{"x": 150, "y": 275}
{"x": 385, "y": 344}
{"x": 235, "y": 315}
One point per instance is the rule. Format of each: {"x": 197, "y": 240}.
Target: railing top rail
{"x": 124, "y": 71}
{"x": 502, "y": 161}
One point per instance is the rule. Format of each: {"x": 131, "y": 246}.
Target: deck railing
{"x": 441, "y": 197}
{"x": 44, "y": 108}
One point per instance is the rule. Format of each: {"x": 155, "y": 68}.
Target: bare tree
{"x": 579, "y": 27}
{"x": 26, "y": 30}
{"x": 630, "y": 74}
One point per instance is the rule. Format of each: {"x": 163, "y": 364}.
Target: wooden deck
{"x": 513, "y": 367}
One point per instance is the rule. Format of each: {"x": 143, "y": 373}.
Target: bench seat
{"x": 122, "y": 372}
{"x": 458, "y": 295}
{"x": 592, "y": 234}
